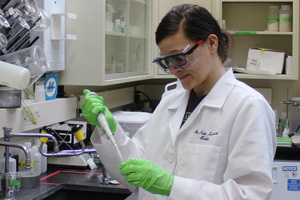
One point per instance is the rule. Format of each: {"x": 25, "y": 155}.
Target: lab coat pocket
{"x": 199, "y": 162}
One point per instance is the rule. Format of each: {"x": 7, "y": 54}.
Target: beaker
{"x": 43, "y": 22}
{"x": 10, "y": 185}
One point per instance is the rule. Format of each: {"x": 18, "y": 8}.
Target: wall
{"x": 279, "y": 94}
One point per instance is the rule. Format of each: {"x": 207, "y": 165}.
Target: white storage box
{"x": 265, "y": 60}
{"x": 131, "y": 121}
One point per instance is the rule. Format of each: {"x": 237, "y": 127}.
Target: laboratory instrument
{"x": 105, "y": 126}
{"x": 64, "y": 134}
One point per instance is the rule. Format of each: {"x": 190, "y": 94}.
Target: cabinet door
{"x": 112, "y": 42}
{"x": 127, "y": 42}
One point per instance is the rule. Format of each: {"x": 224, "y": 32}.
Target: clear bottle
{"x": 39, "y": 93}
{"x": 12, "y": 164}
{"x": 44, "y": 159}
{"x": 286, "y": 130}
{"x": 118, "y": 26}
{"x": 89, "y": 160}
{"x": 273, "y": 18}
{"x": 285, "y": 18}
{"x": 282, "y": 123}
{"x": 37, "y": 160}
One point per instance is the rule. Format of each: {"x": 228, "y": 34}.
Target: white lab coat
{"x": 223, "y": 151}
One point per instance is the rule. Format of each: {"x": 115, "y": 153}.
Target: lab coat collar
{"x": 215, "y": 98}
{"x": 219, "y": 93}
{"x": 180, "y": 96}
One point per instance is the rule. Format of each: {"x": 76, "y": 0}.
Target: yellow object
{"x": 262, "y": 51}
{"x": 21, "y": 164}
{"x": 79, "y": 135}
{"x": 43, "y": 139}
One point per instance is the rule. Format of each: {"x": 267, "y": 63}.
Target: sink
{"x": 63, "y": 194}
{"x": 76, "y": 192}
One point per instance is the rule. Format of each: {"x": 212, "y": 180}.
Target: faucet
{"x": 7, "y": 144}
{"x": 8, "y": 135}
{"x": 20, "y": 146}
{"x": 44, "y": 136}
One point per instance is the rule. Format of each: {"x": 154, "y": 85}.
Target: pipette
{"x": 102, "y": 121}
{"x": 105, "y": 126}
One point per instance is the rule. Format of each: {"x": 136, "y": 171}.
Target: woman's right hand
{"x": 92, "y": 105}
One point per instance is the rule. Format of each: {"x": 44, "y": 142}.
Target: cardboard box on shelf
{"x": 269, "y": 60}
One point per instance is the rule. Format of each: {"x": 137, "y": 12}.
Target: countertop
{"x": 80, "y": 180}
{"x": 84, "y": 182}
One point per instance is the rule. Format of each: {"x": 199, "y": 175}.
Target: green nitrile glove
{"x": 148, "y": 175}
{"x": 92, "y": 105}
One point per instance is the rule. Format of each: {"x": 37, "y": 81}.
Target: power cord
{"x": 137, "y": 98}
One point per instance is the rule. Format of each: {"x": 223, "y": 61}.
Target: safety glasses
{"x": 177, "y": 59}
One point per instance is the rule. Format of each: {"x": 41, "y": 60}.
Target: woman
{"x": 213, "y": 140}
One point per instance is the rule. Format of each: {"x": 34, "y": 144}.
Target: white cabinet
{"x": 162, "y": 7}
{"x": 103, "y": 55}
{"x": 247, "y": 22}
{"x": 113, "y": 39}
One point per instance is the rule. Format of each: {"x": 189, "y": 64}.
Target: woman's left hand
{"x": 148, "y": 175}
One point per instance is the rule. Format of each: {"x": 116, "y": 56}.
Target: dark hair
{"x": 196, "y": 23}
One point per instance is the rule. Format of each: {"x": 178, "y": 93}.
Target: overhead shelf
{"x": 266, "y": 77}
{"x": 256, "y": 1}
{"x": 47, "y": 112}
{"x": 259, "y": 33}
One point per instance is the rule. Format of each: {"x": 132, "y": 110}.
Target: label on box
{"x": 268, "y": 60}
{"x": 253, "y": 63}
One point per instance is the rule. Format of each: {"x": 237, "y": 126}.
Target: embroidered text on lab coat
{"x": 205, "y": 135}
